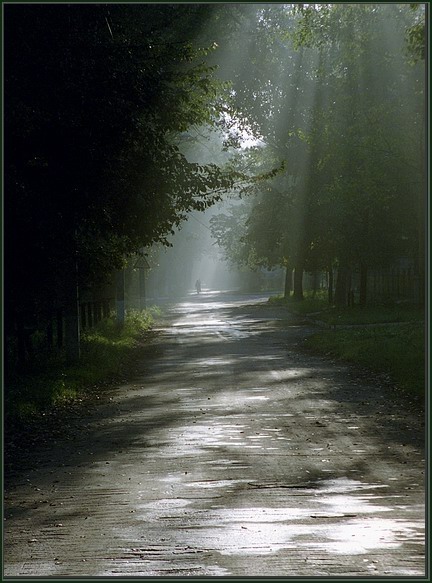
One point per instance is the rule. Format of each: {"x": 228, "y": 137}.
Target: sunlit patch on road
{"x": 236, "y": 461}
{"x": 349, "y": 524}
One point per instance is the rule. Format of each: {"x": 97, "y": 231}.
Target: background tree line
{"x": 338, "y": 93}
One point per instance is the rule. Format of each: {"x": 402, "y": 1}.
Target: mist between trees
{"x": 292, "y": 135}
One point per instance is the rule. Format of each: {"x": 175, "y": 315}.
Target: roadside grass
{"x": 397, "y": 351}
{"x": 50, "y": 383}
{"x": 374, "y": 314}
{"x": 319, "y": 308}
{"x": 310, "y": 304}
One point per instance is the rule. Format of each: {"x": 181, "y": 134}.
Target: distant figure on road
{"x": 198, "y": 285}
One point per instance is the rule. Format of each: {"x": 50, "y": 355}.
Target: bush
{"x": 104, "y": 348}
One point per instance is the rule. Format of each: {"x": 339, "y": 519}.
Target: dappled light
{"x": 239, "y": 455}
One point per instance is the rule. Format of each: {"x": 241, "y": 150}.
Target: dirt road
{"x": 231, "y": 453}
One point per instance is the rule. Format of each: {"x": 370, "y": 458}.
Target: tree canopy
{"x": 95, "y": 97}
{"x": 337, "y": 92}
{"x": 99, "y": 97}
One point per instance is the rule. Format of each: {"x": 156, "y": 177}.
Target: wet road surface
{"x": 231, "y": 453}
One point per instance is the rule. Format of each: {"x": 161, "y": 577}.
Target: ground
{"x": 230, "y": 451}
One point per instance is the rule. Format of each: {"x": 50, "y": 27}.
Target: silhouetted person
{"x": 198, "y": 285}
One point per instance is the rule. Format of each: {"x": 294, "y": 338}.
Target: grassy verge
{"x": 50, "y": 383}
{"x": 318, "y": 308}
{"x": 398, "y": 351}
{"x": 309, "y": 305}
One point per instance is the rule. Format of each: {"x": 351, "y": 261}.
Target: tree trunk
{"x": 120, "y": 297}
{"x": 350, "y": 293}
{"x": 315, "y": 283}
{"x": 363, "y": 284}
{"x": 90, "y": 314}
{"x": 288, "y": 282}
{"x": 50, "y": 333}
{"x": 59, "y": 328}
{"x": 106, "y": 309}
{"x": 422, "y": 198}
{"x": 421, "y": 242}
{"x": 97, "y": 311}
{"x": 72, "y": 324}
{"x": 330, "y": 285}
{"x": 340, "y": 296}
{"x": 142, "y": 290}
{"x": 83, "y": 316}
{"x": 298, "y": 282}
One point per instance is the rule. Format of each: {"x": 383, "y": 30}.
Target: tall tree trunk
{"x": 83, "y": 316}
{"x": 120, "y": 297}
{"x": 50, "y": 332}
{"x": 288, "y": 282}
{"x": 59, "y": 318}
{"x": 298, "y": 282}
{"x": 422, "y": 208}
{"x": 98, "y": 311}
{"x": 330, "y": 285}
{"x": 422, "y": 236}
{"x": 350, "y": 293}
{"x": 90, "y": 314}
{"x": 340, "y": 296}
{"x": 72, "y": 323}
{"x": 142, "y": 289}
{"x": 106, "y": 308}
{"x": 315, "y": 283}
{"x": 363, "y": 284}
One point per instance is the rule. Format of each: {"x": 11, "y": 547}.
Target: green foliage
{"x": 316, "y": 306}
{"x": 106, "y": 348}
{"x": 416, "y": 42}
{"x": 371, "y": 315}
{"x": 95, "y": 97}
{"x": 330, "y": 91}
{"x": 311, "y": 304}
{"x": 228, "y": 229}
{"x": 250, "y": 231}
{"x": 397, "y": 351}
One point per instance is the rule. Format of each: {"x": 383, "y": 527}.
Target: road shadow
{"x": 139, "y": 412}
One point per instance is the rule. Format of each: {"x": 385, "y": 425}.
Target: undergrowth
{"x": 397, "y": 351}
{"x": 50, "y": 382}
{"x": 311, "y": 303}
{"x": 318, "y": 307}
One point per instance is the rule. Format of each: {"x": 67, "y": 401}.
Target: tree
{"x": 274, "y": 96}
{"x": 373, "y": 123}
{"x": 95, "y": 96}
{"x": 330, "y": 90}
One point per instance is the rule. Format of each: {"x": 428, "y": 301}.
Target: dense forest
{"x": 103, "y": 102}
{"x": 337, "y": 94}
